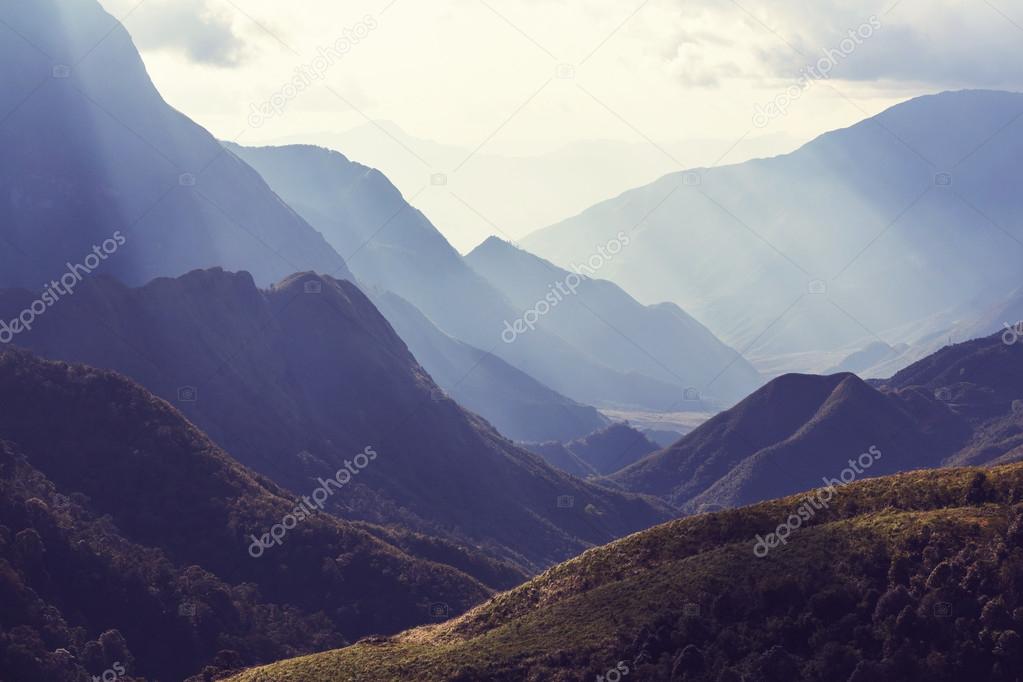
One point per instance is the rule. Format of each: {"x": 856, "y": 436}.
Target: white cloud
{"x": 200, "y": 31}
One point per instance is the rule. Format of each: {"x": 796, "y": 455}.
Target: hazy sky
{"x": 529, "y": 76}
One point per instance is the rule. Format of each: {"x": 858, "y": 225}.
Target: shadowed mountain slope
{"x": 602, "y": 452}
{"x": 296, "y": 380}
{"x": 91, "y": 148}
{"x": 121, "y": 521}
{"x": 519, "y": 406}
{"x": 392, "y": 246}
{"x": 958, "y": 406}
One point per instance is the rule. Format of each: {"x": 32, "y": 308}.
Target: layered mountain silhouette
{"x": 296, "y": 380}
{"x": 600, "y": 453}
{"x": 862, "y": 232}
{"x": 125, "y": 537}
{"x": 519, "y": 406}
{"x": 91, "y": 149}
{"x": 660, "y": 341}
{"x": 390, "y": 245}
{"x": 958, "y": 406}
{"x": 907, "y": 577}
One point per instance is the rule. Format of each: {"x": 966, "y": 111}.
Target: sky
{"x": 606, "y": 82}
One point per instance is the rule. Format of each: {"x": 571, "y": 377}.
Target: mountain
{"x": 660, "y": 341}
{"x": 298, "y": 379}
{"x": 100, "y": 173}
{"x": 559, "y": 183}
{"x": 392, "y": 246}
{"x": 126, "y": 539}
{"x": 519, "y": 406}
{"x": 601, "y": 452}
{"x": 856, "y": 235}
{"x": 909, "y": 577}
{"x": 958, "y": 406}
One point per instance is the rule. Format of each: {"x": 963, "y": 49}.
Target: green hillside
{"x": 917, "y": 576}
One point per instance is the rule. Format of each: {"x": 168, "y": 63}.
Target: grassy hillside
{"x": 916, "y": 576}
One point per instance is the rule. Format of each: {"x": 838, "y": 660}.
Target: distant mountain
{"x": 908, "y": 577}
{"x": 559, "y": 183}
{"x": 897, "y": 219}
{"x": 599, "y": 453}
{"x": 962, "y": 405}
{"x": 519, "y": 406}
{"x": 297, "y": 380}
{"x": 660, "y": 341}
{"x": 125, "y": 540}
{"x": 94, "y": 157}
{"x": 392, "y": 246}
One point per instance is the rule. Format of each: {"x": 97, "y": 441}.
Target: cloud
{"x": 193, "y": 28}
{"x": 939, "y": 43}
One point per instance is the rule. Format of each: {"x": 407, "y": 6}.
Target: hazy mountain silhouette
{"x": 659, "y": 341}
{"x": 900, "y": 217}
{"x": 392, "y": 246}
{"x": 958, "y": 406}
{"x": 599, "y": 453}
{"x": 125, "y": 536}
{"x": 298, "y": 379}
{"x": 91, "y": 148}
{"x": 519, "y": 406}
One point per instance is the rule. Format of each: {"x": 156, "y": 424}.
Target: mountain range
{"x": 958, "y": 406}
{"x": 877, "y": 233}
{"x": 391, "y": 246}
{"x": 295, "y": 380}
{"x": 600, "y": 453}
{"x": 91, "y": 149}
{"x": 125, "y": 536}
{"x": 262, "y": 421}
{"x": 908, "y": 577}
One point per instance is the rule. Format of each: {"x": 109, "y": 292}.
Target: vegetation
{"x": 124, "y": 533}
{"x": 917, "y": 576}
